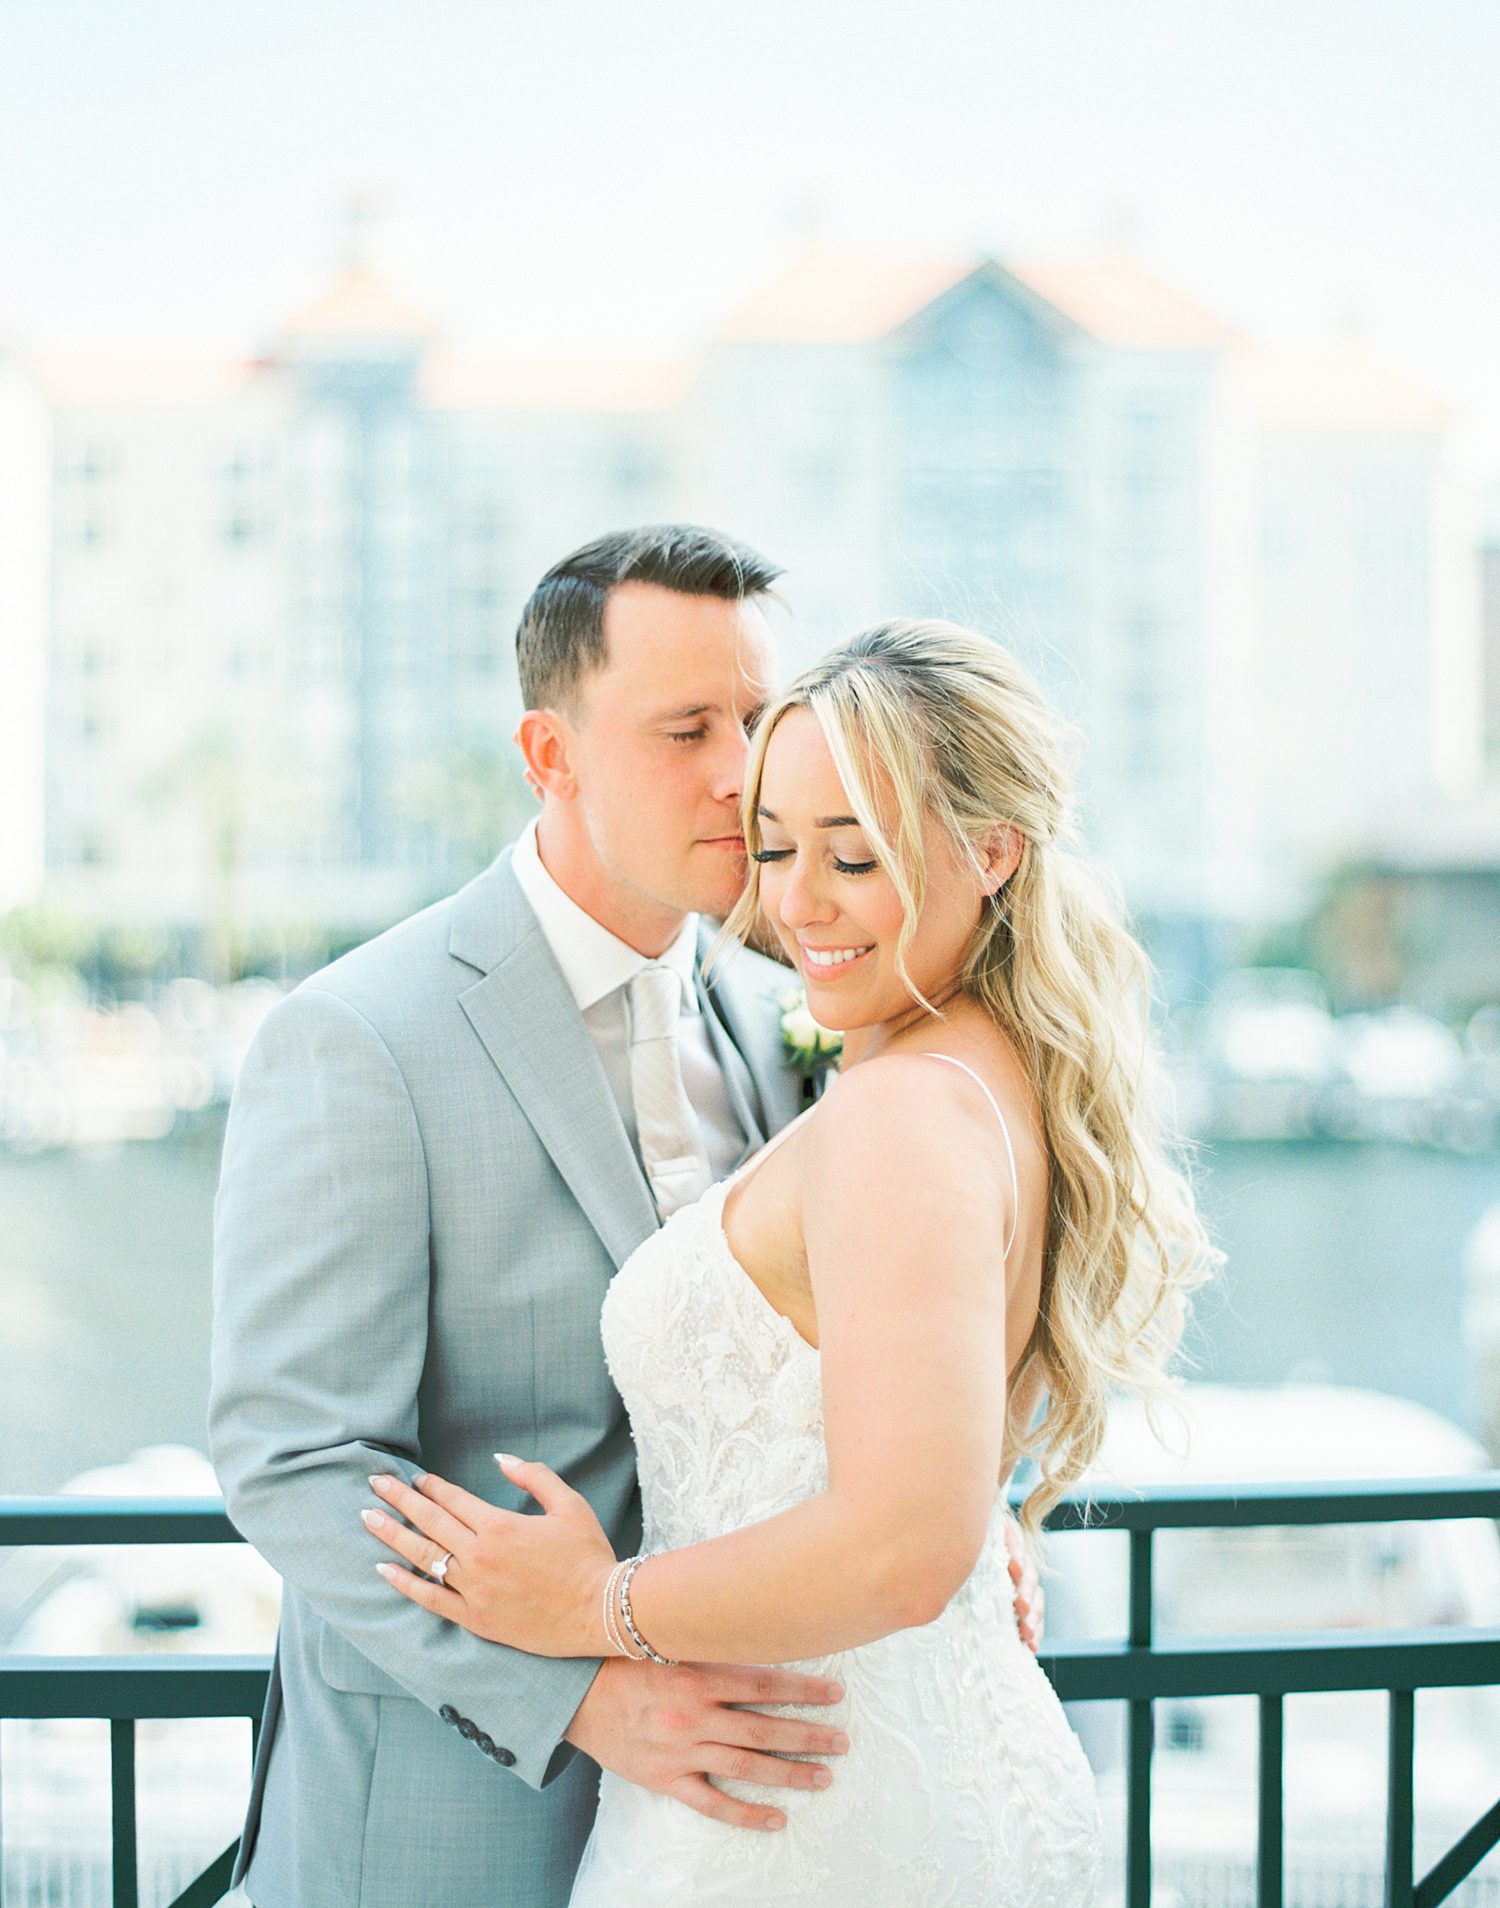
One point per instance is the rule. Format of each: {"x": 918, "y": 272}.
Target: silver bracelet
{"x": 611, "y": 1626}
{"x": 654, "y": 1656}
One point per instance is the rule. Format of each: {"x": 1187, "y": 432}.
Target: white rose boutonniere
{"x": 809, "y": 1048}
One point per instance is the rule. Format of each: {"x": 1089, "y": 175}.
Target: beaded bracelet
{"x": 654, "y": 1656}
{"x": 611, "y": 1624}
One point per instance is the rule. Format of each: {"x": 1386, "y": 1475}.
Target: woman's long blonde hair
{"x": 926, "y": 719}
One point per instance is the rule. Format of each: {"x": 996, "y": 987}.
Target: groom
{"x": 440, "y": 1150}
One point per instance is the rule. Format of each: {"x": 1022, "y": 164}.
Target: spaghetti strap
{"x": 1010, "y": 1151}
{"x": 763, "y": 1153}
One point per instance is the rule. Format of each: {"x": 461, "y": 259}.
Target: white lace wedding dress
{"x": 963, "y": 1787}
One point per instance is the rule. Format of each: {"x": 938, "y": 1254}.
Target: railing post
{"x": 1400, "y": 1889}
{"x": 122, "y": 1809}
{"x": 1139, "y": 1734}
{"x": 1269, "y": 1861}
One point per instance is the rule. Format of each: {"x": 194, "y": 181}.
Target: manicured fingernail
{"x": 502, "y": 1458}
{"x": 776, "y": 1821}
{"x": 821, "y": 1778}
{"x": 419, "y": 1480}
{"x": 388, "y": 1571}
{"x": 381, "y": 1484}
{"x": 373, "y": 1519}
{"x": 841, "y": 1745}
{"x": 835, "y": 1692}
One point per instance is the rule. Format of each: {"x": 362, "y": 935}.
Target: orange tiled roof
{"x": 1347, "y": 390}
{"x": 851, "y": 298}
{"x": 1122, "y": 304}
{"x": 80, "y": 378}
{"x": 359, "y": 305}
{"x": 454, "y": 383}
{"x": 841, "y": 298}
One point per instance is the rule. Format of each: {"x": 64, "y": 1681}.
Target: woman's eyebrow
{"x": 823, "y": 821}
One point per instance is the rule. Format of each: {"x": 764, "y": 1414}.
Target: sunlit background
{"x": 1156, "y": 341}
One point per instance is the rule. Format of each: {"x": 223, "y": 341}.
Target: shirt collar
{"x": 594, "y": 962}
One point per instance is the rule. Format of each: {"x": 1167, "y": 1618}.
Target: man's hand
{"x": 1031, "y": 1602}
{"x": 670, "y": 1729}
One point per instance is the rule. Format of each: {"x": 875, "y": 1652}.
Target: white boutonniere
{"x": 809, "y": 1048}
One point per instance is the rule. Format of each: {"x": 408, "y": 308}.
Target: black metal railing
{"x": 1138, "y": 1671}
{"x": 126, "y": 1690}
{"x": 1142, "y": 1670}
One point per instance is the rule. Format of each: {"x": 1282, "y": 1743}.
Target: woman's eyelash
{"x": 687, "y": 735}
{"x": 843, "y": 867}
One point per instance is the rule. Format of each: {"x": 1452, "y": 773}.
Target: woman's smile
{"x": 828, "y": 963}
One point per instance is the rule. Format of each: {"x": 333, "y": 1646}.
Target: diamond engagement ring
{"x": 439, "y": 1571}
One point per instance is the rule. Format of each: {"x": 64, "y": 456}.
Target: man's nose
{"x": 728, "y": 783}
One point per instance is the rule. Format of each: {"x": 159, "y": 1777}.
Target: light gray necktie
{"x": 665, "y": 1123}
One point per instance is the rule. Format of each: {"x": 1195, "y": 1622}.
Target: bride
{"x": 833, "y": 1360}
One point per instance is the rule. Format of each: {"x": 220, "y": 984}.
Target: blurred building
{"x": 1366, "y": 608}
{"x": 284, "y": 590}
{"x": 1489, "y": 622}
{"x": 24, "y": 558}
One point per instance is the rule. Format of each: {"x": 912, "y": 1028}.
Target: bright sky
{"x": 614, "y": 177}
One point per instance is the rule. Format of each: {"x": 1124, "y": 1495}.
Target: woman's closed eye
{"x": 764, "y": 855}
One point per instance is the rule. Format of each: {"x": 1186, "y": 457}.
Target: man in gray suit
{"x": 438, "y": 1154}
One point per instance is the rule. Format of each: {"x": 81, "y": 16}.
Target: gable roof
{"x": 359, "y": 305}
{"x": 827, "y": 297}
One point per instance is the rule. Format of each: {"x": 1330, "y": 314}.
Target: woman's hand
{"x": 536, "y": 1583}
{"x": 1030, "y": 1599}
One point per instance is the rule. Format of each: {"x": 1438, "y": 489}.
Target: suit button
{"x": 448, "y": 1713}
{"x": 505, "y": 1757}
{"x": 484, "y": 1742}
{"x": 468, "y": 1730}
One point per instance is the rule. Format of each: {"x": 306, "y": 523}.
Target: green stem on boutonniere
{"x": 809, "y": 1048}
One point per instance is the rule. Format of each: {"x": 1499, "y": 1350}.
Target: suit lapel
{"x": 526, "y": 1017}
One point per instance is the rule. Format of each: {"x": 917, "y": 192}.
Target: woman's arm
{"x": 905, "y": 1199}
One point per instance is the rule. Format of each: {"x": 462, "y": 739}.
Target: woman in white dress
{"x": 833, "y": 1360}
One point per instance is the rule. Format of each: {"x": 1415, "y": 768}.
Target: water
{"x": 105, "y": 1301}
{"x": 1343, "y": 1265}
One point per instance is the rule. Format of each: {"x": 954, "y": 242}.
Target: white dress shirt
{"x": 598, "y": 967}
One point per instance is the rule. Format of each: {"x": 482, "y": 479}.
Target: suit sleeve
{"x": 321, "y": 1288}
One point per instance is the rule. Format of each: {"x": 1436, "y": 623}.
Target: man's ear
{"x": 1000, "y": 856}
{"x": 543, "y": 739}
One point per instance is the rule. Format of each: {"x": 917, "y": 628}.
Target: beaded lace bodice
{"x": 964, "y": 1786}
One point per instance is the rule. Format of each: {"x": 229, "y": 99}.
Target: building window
{"x": 92, "y": 529}
{"x": 91, "y": 463}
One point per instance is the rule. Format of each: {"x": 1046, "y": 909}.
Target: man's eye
{"x": 771, "y": 854}
{"x": 855, "y": 867}
{"x": 687, "y": 735}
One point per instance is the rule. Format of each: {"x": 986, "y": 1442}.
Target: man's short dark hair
{"x": 561, "y": 635}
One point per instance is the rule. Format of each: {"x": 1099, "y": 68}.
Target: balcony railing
{"x": 1137, "y": 1671}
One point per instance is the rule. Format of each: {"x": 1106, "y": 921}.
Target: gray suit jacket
{"x": 426, "y": 1187}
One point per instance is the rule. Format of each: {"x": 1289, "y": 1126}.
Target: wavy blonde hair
{"x": 927, "y": 719}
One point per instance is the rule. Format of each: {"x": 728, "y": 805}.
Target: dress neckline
{"x": 712, "y": 1204}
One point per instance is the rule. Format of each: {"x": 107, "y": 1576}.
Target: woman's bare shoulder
{"x": 900, "y": 1113}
